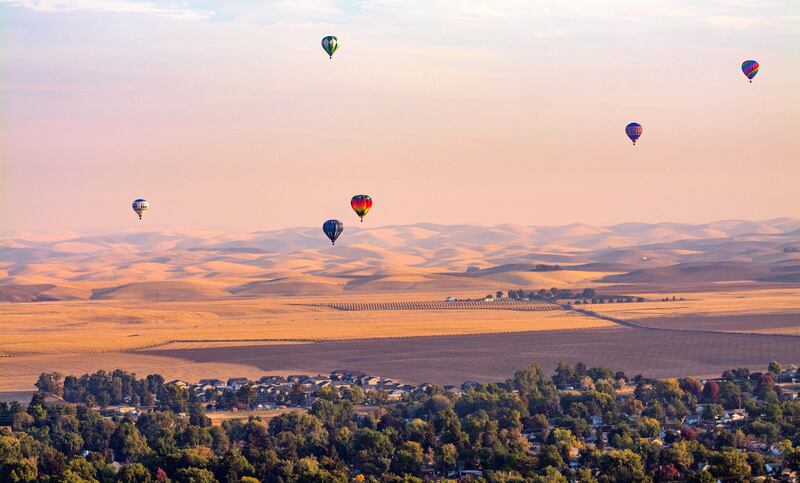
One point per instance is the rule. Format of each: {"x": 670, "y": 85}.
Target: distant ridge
{"x": 427, "y": 257}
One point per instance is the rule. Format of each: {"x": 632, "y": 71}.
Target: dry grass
{"x": 20, "y": 373}
{"x": 265, "y": 415}
{"x": 760, "y": 301}
{"x": 85, "y": 327}
{"x": 699, "y": 309}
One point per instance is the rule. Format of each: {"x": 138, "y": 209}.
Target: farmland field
{"x": 767, "y": 311}
{"x": 193, "y": 305}
{"x": 63, "y": 327}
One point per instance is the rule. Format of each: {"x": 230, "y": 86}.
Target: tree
{"x": 373, "y": 451}
{"x": 128, "y": 443}
{"x": 622, "y": 465}
{"x": 679, "y": 455}
{"x": 408, "y": 459}
{"x": 499, "y": 294}
{"x": 713, "y": 412}
{"x": 354, "y": 394}
{"x": 729, "y": 464}
{"x": 134, "y": 473}
{"x": 775, "y": 368}
{"x": 51, "y": 382}
{"x": 791, "y": 458}
{"x": 564, "y": 374}
{"x": 194, "y": 475}
{"x": 711, "y": 391}
{"x": 691, "y": 385}
{"x": 447, "y": 457}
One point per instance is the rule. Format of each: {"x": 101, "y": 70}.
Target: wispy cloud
{"x": 173, "y": 10}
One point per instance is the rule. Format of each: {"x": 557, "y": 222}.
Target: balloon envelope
{"x": 633, "y": 130}
{"x": 750, "y": 68}
{"x": 330, "y": 44}
{"x": 361, "y": 205}
{"x": 140, "y": 205}
{"x": 332, "y": 229}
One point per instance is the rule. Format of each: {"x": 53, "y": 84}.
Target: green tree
{"x": 729, "y": 464}
{"x": 194, "y": 475}
{"x": 128, "y": 443}
{"x": 447, "y": 457}
{"x": 51, "y": 382}
{"x": 134, "y": 473}
{"x": 622, "y": 465}
{"x": 679, "y": 455}
{"x": 408, "y": 459}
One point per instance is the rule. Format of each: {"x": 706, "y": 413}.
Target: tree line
{"x": 524, "y": 429}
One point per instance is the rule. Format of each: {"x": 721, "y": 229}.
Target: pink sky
{"x": 450, "y": 112}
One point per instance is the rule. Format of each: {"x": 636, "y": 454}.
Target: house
{"x": 451, "y": 299}
{"x": 454, "y": 390}
{"x": 235, "y": 383}
{"x": 179, "y": 383}
{"x": 465, "y": 473}
{"x": 397, "y": 395}
{"x": 368, "y": 381}
{"x": 341, "y": 375}
{"x": 320, "y": 381}
{"x": 756, "y": 445}
{"x": 272, "y": 380}
{"x": 734, "y": 416}
{"x": 214, "y": 383}
{"x": 691, "y": 420}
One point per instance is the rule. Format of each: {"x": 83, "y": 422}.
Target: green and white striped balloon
{"x": 330, "y": 44}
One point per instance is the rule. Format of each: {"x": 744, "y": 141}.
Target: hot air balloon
{"x": 330, "y": 44}
{"x": 140, "y": 206}
{"x": 750, "y": 69}
{"x": 361, "y": 205}
{"x": 332, "y": 229}
{"x": 633, "y": 130}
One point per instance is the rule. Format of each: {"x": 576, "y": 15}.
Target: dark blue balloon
{"x": 332, "y": 229}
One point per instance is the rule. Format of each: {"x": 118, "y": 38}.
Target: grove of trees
{"x": 609, "y": 428}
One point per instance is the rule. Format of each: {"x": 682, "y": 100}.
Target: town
{"x": 583, "y": 424}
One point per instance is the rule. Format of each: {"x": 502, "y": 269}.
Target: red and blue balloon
{"x": 633, "y": 130}
{"x": 750, "y": 69}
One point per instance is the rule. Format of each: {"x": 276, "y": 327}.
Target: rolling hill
{"x": 193, "y": 264}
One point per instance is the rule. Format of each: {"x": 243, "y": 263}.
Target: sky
{"x": 227, "y": 114}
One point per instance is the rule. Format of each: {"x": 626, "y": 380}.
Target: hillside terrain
{"x": 193, "y": 265}
{"x": 196, "y": 304}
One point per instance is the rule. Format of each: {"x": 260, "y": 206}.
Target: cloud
{"x": 173, "y": 10}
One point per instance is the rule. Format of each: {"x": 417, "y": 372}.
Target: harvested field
{"x": 722, "y": 302}
{"x": 63, "y": 327}
{"x": 265, "y": 415}
{"x": 439, "y": 305}
{"x": 788, "y": 323}
{"x": 493, "y": 357}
